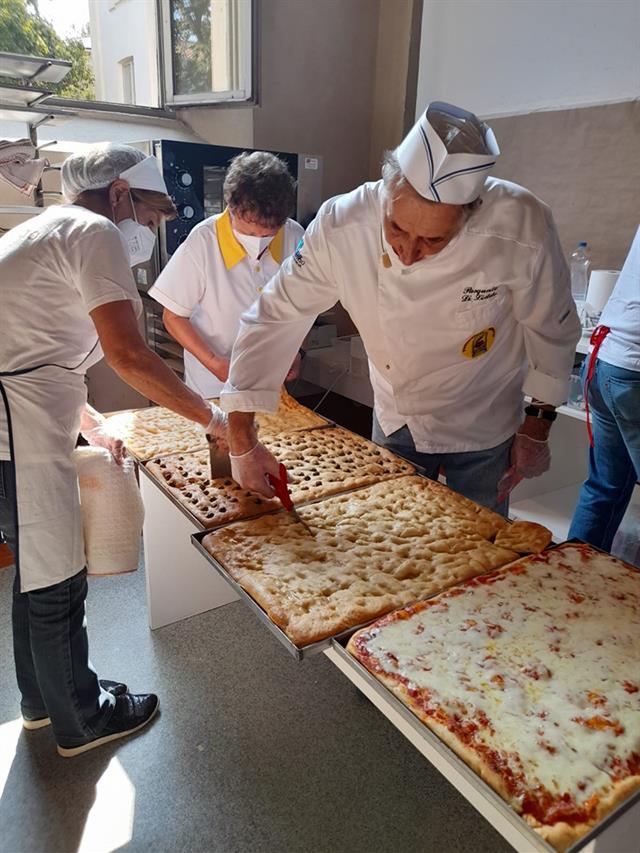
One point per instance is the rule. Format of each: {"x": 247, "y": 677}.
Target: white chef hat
{"x": 102, "y": 164}
{"x": 447, "y": 154}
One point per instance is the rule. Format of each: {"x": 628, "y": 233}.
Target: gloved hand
{"x": 530, "y": 457}
{"x": 100, "y": 436}
{"x": 250, "y": 469}
{"x": 218, "y": 426}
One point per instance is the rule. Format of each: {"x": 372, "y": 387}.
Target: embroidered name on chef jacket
{"x": 478, "y": 294}
{"x": 480, "y": 343}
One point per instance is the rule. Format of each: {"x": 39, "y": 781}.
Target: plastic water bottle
{"x": 580, "y": 265}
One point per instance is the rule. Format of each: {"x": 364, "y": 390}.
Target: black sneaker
{"x": 116, "y": 688}
{"x": 132, "y": 712}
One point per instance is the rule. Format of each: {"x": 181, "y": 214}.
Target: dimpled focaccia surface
{"x": 371, "y": 551}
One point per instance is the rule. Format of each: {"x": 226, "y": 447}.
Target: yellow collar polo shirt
{"x": 212, "y": 281}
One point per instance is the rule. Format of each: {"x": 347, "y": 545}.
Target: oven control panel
{"x": 194, "y": 174}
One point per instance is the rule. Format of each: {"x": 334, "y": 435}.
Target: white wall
{"x": 119, "y": 29}
{"x": 500, "y": 57}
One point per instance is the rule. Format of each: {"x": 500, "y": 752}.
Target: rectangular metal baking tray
{"x": 142, "y": 468}
{"x": 537, "y": 843}
{"x": 298, "y": 652}
{"x": 185, "y": 511}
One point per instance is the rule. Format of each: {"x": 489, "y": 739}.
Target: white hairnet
{"x": 97, "y": 167}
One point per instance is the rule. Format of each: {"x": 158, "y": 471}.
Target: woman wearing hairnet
{"x": 68, "y": 298}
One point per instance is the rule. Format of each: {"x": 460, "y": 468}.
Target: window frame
{"x": 164, "y": 69}
{"x": 128, "y": 74}
{"x": 246, "y": 58}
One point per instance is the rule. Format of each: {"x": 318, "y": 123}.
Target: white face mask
{"x": 140, "y": 240}
{"x": 253, "y": 246}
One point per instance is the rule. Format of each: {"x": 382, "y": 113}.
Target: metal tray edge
{"x": 143, "y": 468}
{"x": 298, "y": 652}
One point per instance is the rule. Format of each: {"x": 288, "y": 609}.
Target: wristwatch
{"x": 535, "y": 412}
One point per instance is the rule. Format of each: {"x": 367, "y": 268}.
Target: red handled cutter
{"x": 279, "y": 485}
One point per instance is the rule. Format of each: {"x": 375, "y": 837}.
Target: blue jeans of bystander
{"x": 614, "y": 460}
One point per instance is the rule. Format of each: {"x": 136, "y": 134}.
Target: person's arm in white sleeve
{"x": 272, "y": 330}
{"x": 270, "y": 334}
{"x": 547, "y": 314}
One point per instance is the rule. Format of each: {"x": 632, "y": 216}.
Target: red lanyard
{"x": 597, "y": 337}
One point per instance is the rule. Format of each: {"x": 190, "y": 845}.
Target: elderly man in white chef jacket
{"x": 68, "y": 297}
{"x": 457, "y": 284}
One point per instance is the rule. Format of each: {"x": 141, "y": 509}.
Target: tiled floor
{"x": 252, "y": 751}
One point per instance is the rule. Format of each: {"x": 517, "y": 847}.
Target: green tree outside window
{"x": 23, "y": 30}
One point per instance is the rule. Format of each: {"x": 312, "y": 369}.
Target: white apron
{"x": 43, "y": 406}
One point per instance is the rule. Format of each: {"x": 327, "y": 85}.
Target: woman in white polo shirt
{"x": 224, "y": 265}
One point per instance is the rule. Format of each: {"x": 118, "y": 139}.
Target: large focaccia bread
{"x": 371, "y": 551}
{"x": 154, "y": 431}
{"x": 157, "y": 431}
{"x": 319, "y": 462}
{"x": 289, "y": 417}
{"x": 531, "y": 675}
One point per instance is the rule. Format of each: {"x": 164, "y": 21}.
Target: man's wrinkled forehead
{"x": 418, "y": 216}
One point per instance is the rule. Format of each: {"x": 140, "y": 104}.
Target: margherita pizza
{"x": 531, "y": 675}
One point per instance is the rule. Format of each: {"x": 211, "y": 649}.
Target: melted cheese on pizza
{"x": 534, "y": 669}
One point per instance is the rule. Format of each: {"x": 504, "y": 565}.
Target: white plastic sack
{"x": 112, "y": 511}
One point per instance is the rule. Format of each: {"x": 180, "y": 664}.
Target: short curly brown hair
{"x": 259, "y": 187}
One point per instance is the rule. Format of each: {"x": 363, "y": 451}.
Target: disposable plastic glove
{"x": 100, "y": 436}
{"x": 218, "y": 426}
{"x": 529, "y": 458}
{"x": 250, "y": 469}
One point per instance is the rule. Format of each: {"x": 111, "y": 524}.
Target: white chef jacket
{"x": 54, "y": 270}
{"x": 454, "y": 341}
{"x": 621, "y": 347}
{"x": 212, "y": 281}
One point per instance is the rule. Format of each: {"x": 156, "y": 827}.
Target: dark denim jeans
{"x": 51, "y": 647}
{"x": 614, "y": 460}
{"x": 474, "y": 474}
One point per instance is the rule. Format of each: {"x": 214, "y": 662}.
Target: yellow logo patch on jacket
{"x": 480, "y": 343}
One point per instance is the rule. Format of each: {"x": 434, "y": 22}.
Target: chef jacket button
{"x": 259, "y": 289}
{"x": 257, "y": 267}
{"x": 388, "y": 366}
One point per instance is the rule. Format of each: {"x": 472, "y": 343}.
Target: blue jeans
{"x": 614, "y": 460}
{"x": 51, "y": 647}
{"x": 474, "y": 474}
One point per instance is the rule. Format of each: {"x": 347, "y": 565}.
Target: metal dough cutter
{"x": 219, "y": 461}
